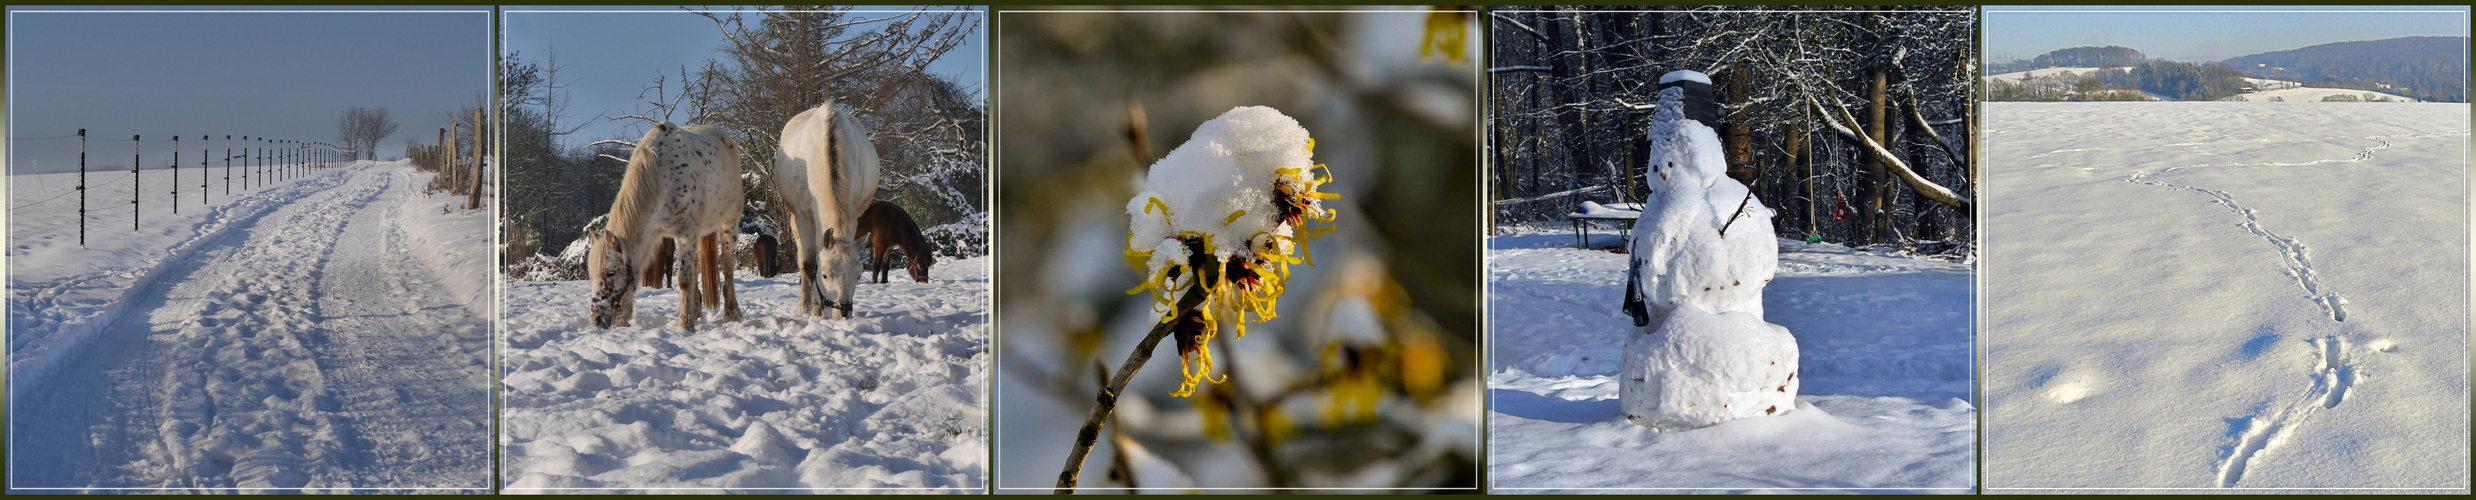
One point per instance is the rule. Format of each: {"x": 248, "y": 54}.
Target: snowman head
{"x": 1683, "y": 145}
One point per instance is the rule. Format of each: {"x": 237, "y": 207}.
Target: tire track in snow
{"x": 228, "y": 374}
{"x": 2334, "y": 371}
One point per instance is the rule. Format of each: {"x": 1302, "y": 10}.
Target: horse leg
{"x": 689, "y": 298}
{"x": 882, "y": 256}
{"x": 706, "y": 260}
{"x": 730, "y": 276}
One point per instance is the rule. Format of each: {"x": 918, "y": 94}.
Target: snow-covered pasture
{"x": 895, "y": 397}
{"x": 299, "y": 336}
{"x": 2200, "y": 295}
{"x": 1885, "y": 356}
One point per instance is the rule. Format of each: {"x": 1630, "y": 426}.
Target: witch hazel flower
{"x": 1224, "y": 215}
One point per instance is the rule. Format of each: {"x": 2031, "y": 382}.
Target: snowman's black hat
{"x": 1700, "y": 106}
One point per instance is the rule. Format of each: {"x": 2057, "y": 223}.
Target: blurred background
{"x": 1368, "y": 379}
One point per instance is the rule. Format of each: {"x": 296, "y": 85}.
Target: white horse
{"x": 826, "y": 173}
{"x": 682, "y": 183}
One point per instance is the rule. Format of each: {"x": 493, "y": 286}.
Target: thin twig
{"x": 1108, "y": 398}
{"x": 1732, "y": 218}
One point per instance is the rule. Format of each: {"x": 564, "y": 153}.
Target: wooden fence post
{"x": 472, "y": 191}
{"x": 176, "y": 175}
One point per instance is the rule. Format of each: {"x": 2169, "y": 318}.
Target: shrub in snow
{"x": 961, "y": 239}
{"x": 1222, "y": 214}
{"x": 1702, "y": 251}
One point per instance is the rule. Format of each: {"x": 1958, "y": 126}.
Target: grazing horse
{"x": 826, "y": 173}
{"x": 886, "y": 226}
{"x": 765, "y": 256}
{"x": 682, "y": 184}
{"x": 658, "y": 272}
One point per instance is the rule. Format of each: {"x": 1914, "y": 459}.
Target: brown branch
{"x": 1108, "y": 398}
{"x": 1917, "y": 113}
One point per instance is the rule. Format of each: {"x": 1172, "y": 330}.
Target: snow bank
{"x": 894, "y": 398}
{"x": 453, "y": 243}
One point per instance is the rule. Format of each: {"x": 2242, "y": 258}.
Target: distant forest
{"x": 2431, "y": 68}
{"x": 2425, "y": 68}
{"x": 2076, "y": 57}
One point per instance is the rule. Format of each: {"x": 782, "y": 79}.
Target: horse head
{"x": 614, "y": 282}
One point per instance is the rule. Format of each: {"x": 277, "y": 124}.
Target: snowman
{"x": 1699, "y": 352}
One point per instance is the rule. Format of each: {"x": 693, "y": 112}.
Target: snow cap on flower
{"x": 1221, "y": 182}
{"x": 1226, "y": 208}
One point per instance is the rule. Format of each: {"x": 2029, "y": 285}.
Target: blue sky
{"x": 608, "y": 58}
{"x": 257, "y": 73}
{"x": 2203, "y": 37}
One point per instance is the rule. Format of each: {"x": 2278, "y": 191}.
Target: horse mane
{"x": 628, "y": 213}
{"x": 834, "y": 148}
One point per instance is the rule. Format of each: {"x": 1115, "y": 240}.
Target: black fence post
{"x": 203, "y": 173}
{"x": 135, "y": 187}
{"x": 176, "y": 175}
{"x": 81, "y": 187}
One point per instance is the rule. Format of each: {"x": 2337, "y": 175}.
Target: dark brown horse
{"x": 887, "y": 226}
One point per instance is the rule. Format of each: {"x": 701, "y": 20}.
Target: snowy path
{"x": 777, "y": 403}
{"x": 1885, "y": 345}
{"x": 294, "y": 348}
{"x": 2316, "y": 332}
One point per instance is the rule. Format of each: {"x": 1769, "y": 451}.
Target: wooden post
{"x": 203, "y": 173}
{"x": 176, "y": 175}
{"x": 442, "y": 142}
{"x": 227, "y": 164}
{"x": 472, "y": 192}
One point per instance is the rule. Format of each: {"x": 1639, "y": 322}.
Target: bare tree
{"x": 361, "y": 129}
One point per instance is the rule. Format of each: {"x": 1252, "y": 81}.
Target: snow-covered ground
{"x": 1885, "y": 347}
{"x": 279, "y": 339}
{"x": 781, "y": 403}
{"x": 2202, "y": 295}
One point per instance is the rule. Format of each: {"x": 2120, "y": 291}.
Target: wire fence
{"x": 255, "y": 162}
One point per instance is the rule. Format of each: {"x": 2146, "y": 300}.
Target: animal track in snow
{"x": 2334, "y": 374}
{"x": 2292, "y": 253}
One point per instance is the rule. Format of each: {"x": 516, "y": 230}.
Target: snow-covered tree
{"x": 1575, "y": 87}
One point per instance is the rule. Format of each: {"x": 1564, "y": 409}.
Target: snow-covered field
{"x": 282, "y": 338}
{"x": 2313, "y": 94}
{"x": 1885, "y": 347}
{"x": 2043, "y": 73}
{"x": 780, "y": 403}
{"x": 2203, "y": 295}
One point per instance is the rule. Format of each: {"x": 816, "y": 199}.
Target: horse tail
{"x": 712, "y": 272}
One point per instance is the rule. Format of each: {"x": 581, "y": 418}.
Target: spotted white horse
{"x": 826, "y": 173}
{"x": 682, "y": 183}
